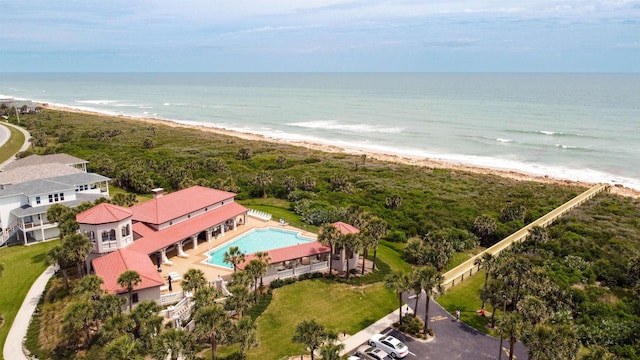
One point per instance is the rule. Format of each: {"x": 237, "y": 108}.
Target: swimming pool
{"x": 254, "y": 241}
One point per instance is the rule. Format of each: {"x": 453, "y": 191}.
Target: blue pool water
{"x": 257, "y": 240}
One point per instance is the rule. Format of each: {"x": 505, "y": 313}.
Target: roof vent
{"x": 157, "y": 192}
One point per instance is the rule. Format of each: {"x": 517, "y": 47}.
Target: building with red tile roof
{"x": 132, "y": 239}
{"x": 110, "y": 267}
{"x": 345, "y": 228}
{"x": 103, "y": 214}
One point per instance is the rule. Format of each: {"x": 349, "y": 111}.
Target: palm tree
{"x": 213, "y": 324}
{"x": 264, "y": 179}
{"x": 109, "y": 305}
{"x": 538, "y": 235}
{"x": 148, "y": 323}
{"x": 77, "y": 247}
{"x": 174, "y": 344}
{"x": 308, "y": 183}
{"x": 511, "y": 324}
{"x": 290, "y": 183}
{"x": 281, "y": 160}
{"x": 56, "y": 255}
{"x": 484, "y": 227}
{"x": 239, "y": 300}
{"x": 193, "y": 280}
{"x": 431, "y": 282}
{"x": 400, "y": 282}
{"x": 116, "y": 326}
{"x": 312, "y": 335}
{"x": 331, "y": 351}
{"x": 329, "y": 236}
{"x": 256, "y": 269}
{"x": 78, "y": 318}
{"x": 90, "y": 286}
{"x": 376, "y": 228}
{"x": 245, "y": 335}
{"x": 487, "y": 261}
{"x": 553, "y": 341}
{"x": 234, "y": 257}
{"x": 129, "y": 280}
{"x": 204, "y": 297}
{"x": 124, "y": 348}
{"x": 266, "y": 259}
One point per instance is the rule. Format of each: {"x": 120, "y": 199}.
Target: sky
{"x": 320, "y": 36}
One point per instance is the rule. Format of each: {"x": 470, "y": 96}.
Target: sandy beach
{"x": 417, "y": 161}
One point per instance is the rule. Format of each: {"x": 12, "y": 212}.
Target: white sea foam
{"x": 98, "y": 102}
{"x": 501, "y": 140}
{"x": 337, "y": 125}
{"x": 545, "y": 132}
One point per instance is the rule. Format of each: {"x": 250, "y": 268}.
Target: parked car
{"x": 366, "y": 352}
{"x": 394, "y": 347}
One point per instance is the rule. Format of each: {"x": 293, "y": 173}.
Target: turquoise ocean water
{"x": 571, "y": 126}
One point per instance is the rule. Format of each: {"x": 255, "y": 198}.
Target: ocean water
{"x": 583, "y": 127}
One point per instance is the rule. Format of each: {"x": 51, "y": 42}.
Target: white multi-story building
{"x": 29, "y": 186}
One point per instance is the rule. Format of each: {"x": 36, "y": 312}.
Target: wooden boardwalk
{"x": 467, "y": 268}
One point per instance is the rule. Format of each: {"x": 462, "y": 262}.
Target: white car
{"x": 394, "y": 347}
{"x": 366, "y": 352}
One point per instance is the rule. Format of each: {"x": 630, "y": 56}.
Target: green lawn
{"x": 389, "y": 253}
{"x": 339, "y": 307}
{"x": 465, "y": 297}
{"x": 23, "y": 265}
{"x": 13, "y": 145}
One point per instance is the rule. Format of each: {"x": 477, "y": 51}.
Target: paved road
{"x": 4, "y": 134}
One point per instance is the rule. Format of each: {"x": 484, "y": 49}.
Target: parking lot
{"x": 454, "y": 340}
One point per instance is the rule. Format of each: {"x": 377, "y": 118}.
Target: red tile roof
{"x": 142, "y": 229}
{"x": 345, "y": 228}
{"x": 166, "y": 237}
{"x": 103, "y": 214}
{"x": 109, "y": 268}
{"x": 291, "y": 252}
{"x": 171, "y": 206}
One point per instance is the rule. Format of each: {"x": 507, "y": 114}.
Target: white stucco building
{"x": 29, "y": 186}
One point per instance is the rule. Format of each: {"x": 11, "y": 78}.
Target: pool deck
{"x": 197, "y": 256}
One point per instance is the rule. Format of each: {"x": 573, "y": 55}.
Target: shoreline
{"x": 392, "y": 158}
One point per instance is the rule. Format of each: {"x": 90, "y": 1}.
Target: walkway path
{"x": 13, "y": 344}
{"x": 17, "y": 333}
{"x": 468, "y": 268}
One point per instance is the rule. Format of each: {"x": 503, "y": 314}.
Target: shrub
{"x": 396, "y": 236}
{"x": 282, "y": 282}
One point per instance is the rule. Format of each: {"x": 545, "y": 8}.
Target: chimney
{"x": 157, "y": 192}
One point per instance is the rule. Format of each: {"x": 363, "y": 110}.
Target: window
{"x": 134, "y": 298}
{"x": 125, "y": 230}
{"x": 38, "y": 200}
{"x": 50, "y": 198}
{"x": 56, "y": 197}
{"x": 105, "y": 236}
{"x": 112, "y": 235}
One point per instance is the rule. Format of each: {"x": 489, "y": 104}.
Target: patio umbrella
{"x": 169, "y": 280}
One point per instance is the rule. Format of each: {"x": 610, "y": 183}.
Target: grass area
{"x": 458, "y": 258}
{"x": 339, "y": 307}
{"x": 13, "y": 145}
{"x": 23, "y": 265}
{"x": 389, "y": 253}
{"x": 279, "y": 208}
{"x": 465, "y": 297}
